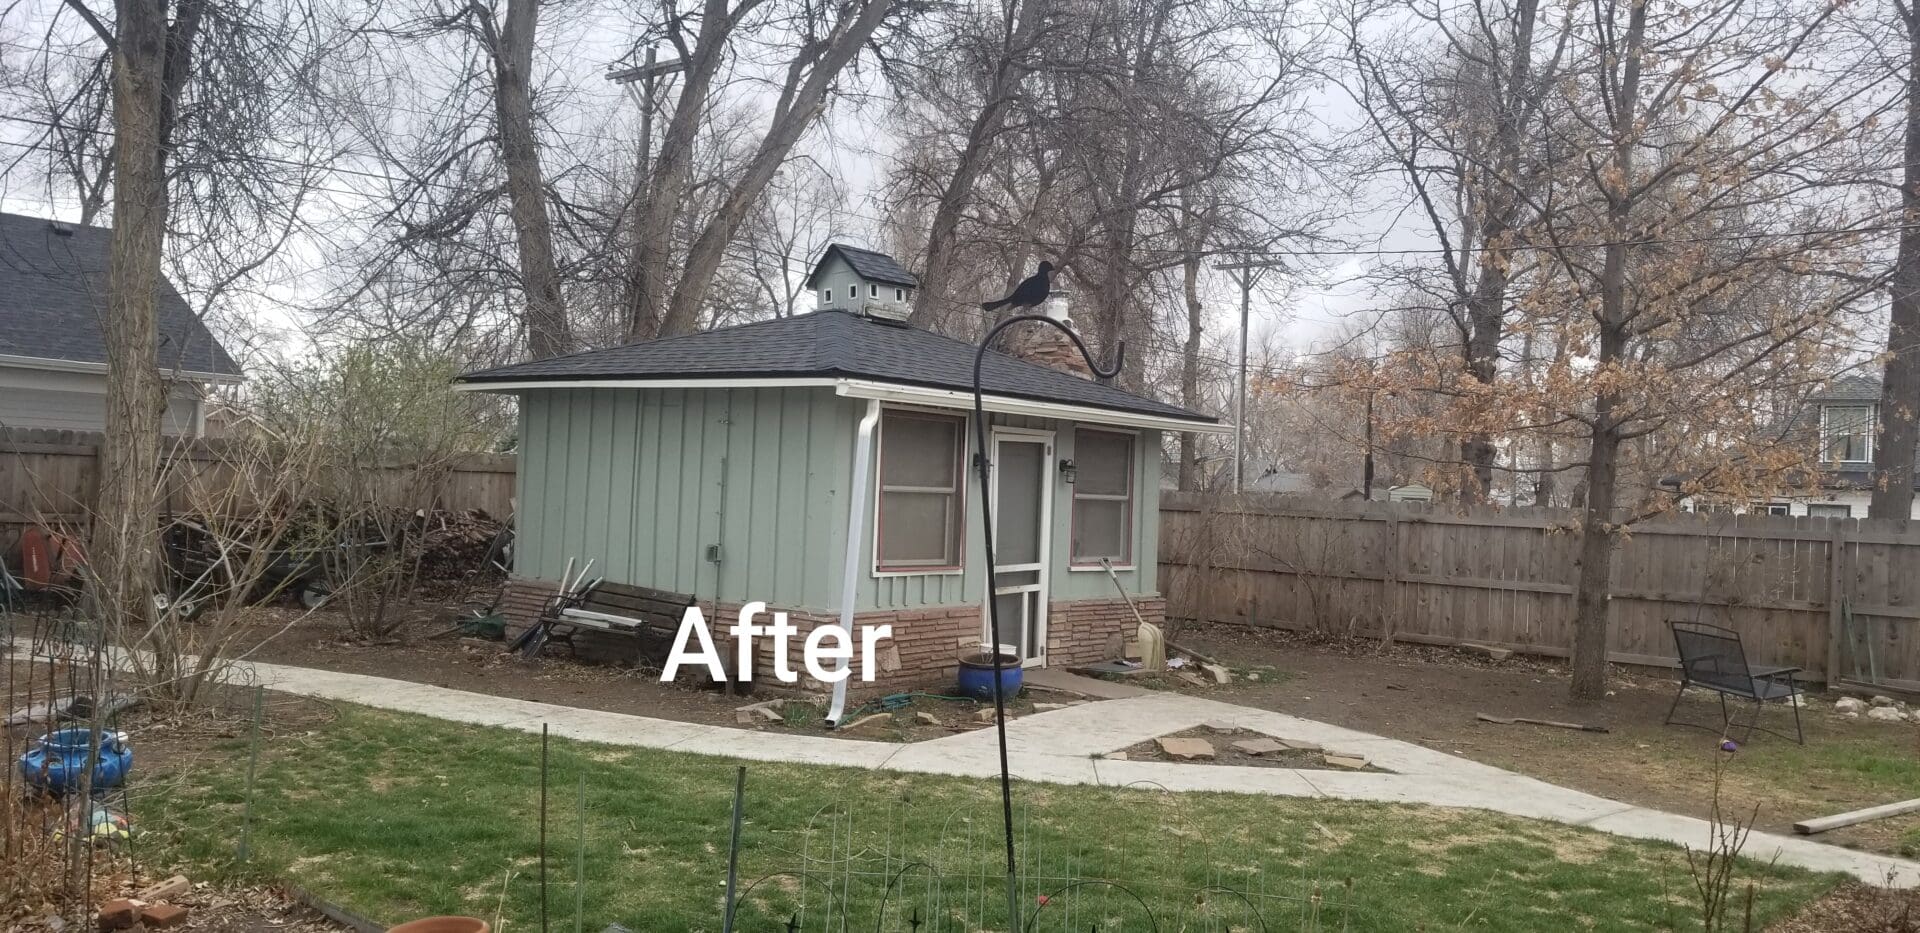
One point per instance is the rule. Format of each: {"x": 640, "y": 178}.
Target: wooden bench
{"x": 617, "y": 622}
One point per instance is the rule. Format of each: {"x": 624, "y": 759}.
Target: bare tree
{"x": 659, "y": 302}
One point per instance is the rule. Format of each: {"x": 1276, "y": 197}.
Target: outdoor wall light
{"x": 1067, "y": 471}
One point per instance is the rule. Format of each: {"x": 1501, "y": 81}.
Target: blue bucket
{"x": 976, "y": 676}
{"x": 58, "y": 762}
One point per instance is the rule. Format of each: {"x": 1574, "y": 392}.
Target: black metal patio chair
{"x": 1714, "y": 658}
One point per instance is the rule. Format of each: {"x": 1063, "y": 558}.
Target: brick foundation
{"x": 923, "y": 652}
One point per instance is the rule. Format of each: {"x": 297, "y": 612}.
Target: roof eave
{"x": 902, "y": 393}
{"x": 50, "y": 364}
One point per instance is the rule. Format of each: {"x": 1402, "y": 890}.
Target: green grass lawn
{"x": 397, "y": 816}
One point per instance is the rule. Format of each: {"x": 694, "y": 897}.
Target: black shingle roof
{"x": 879, "y": 267}
{"x": 835, "y": 344}
{"x": 53, "y": 297}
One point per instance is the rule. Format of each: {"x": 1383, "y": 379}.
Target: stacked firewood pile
{"x": 454, "y": 544}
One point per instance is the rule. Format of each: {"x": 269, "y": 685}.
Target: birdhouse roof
{"x": 868, "y": 264}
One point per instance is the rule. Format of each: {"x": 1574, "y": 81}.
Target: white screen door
{"x": 1022, "y": 510}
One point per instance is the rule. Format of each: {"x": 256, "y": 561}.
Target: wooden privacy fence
{"x": 1827, "y": 595}
{"x": 53, "y": 477}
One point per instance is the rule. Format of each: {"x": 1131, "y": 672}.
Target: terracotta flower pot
{"x": 442, "y": 925}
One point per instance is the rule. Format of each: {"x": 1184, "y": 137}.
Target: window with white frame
{"x": 921, "y": 488}
{"x": 1848, "y": 433}
{"x": 1829, "y": 510}
{"x": 1102, "y": 497}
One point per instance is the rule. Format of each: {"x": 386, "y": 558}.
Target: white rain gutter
{"x": 77, "y": 366}
{"x": 856, "y": 535}
{"x": 871, "y": 390}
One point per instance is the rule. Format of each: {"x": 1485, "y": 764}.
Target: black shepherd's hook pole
{"x": 980, "y": 461}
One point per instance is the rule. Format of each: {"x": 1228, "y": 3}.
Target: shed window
{"x": 899, "y": 294}
{"x": 826, "y": 295}
{"x": 920, "y": 514}
{"x": 1102, "y": 497}
{"x": 873, "y": 291}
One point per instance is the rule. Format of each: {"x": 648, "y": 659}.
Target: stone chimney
{"x": 1049, "y": 347}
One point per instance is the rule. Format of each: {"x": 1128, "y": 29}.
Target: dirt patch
{"x": 1431, "y": 696}
{"x": 1857, "y": 908}
{"x": 1224, "y": 741}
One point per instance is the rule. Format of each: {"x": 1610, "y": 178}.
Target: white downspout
{"x": 856, "y": 538}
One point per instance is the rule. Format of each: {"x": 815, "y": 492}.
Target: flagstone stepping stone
{"x": 1185, "y": 748}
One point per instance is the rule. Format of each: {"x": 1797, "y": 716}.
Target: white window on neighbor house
{"x": 1829, "y": 510}
{"x": 1102, "y": 497}
{"x": 1847, "y": 433}
{"x": 1770, "y": 508}
{"x": 922, "y": 492}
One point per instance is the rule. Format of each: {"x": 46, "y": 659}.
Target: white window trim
{"x": 1827, "y": 436}
{"x": 1134, "y": 474}
{"x": 966, "y": 451}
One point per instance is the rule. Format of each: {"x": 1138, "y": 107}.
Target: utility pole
{"x": 645, "y": 75}
{"x": 1246, "y": 273}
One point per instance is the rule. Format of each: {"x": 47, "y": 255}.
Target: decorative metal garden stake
{"x": 733, "y": 847}
{"x": 993, "y": 605}
{"x": 253, "y": 764}
{"x": 543, "y": 828}
{"x": 580, "y": 861}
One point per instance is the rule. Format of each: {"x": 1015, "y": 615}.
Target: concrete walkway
{"x": 1062, "y": 746}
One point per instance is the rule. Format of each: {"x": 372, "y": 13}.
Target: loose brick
{"x": 163, "y": 916}
{"x": 119, "y": 914}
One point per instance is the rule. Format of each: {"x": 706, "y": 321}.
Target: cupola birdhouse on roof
{"x": 862, "y": 281}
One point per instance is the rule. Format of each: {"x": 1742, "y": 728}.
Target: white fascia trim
{"x": 794, "y": 382}
{"x": 76, "y": 366}
{"x": 949, "y": 398}
{"x": 883, "y": 391}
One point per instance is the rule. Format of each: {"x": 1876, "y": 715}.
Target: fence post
{"x": 1836, "y": 603}
{"x": 1391, "y": 618}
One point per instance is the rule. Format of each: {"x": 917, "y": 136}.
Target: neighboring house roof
{"x": 53, "y": 300}
{"x": 832, "y": 344}
{"x": 1849, "y": 389}
{"x": 879, "y": 267}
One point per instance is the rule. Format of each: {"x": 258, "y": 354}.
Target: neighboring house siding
{"x": 642, "y": 481}
{"x": 77, "y": 402}
{"x": 913, "y": 591}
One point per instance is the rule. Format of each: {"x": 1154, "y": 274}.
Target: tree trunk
{"x": 1487, "y": 306}
{"x": 1893, "y": 450}
{"x": 658, "y": 213}
{"x": 1592, "y": 593}
{"x": 791, "y": 119}
{"x": 548, "y": 331}
{"x": 1603, "y": 461}
{"x": 123, "y": 556}
{"x": 1190, "y": 368}
{"x": 936, "y": 277}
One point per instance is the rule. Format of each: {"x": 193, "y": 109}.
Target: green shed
{"x": 819, "y": 464}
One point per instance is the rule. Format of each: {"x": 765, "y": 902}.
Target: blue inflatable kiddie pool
{"x": 58, "y": 762}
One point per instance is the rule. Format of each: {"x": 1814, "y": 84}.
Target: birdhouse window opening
{"x": 899, "y": 294}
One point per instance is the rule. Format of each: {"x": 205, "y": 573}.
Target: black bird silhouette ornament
{"x": 1029, "y": 294}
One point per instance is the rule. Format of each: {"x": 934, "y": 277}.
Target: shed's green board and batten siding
{"x": 643, "y": 481}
